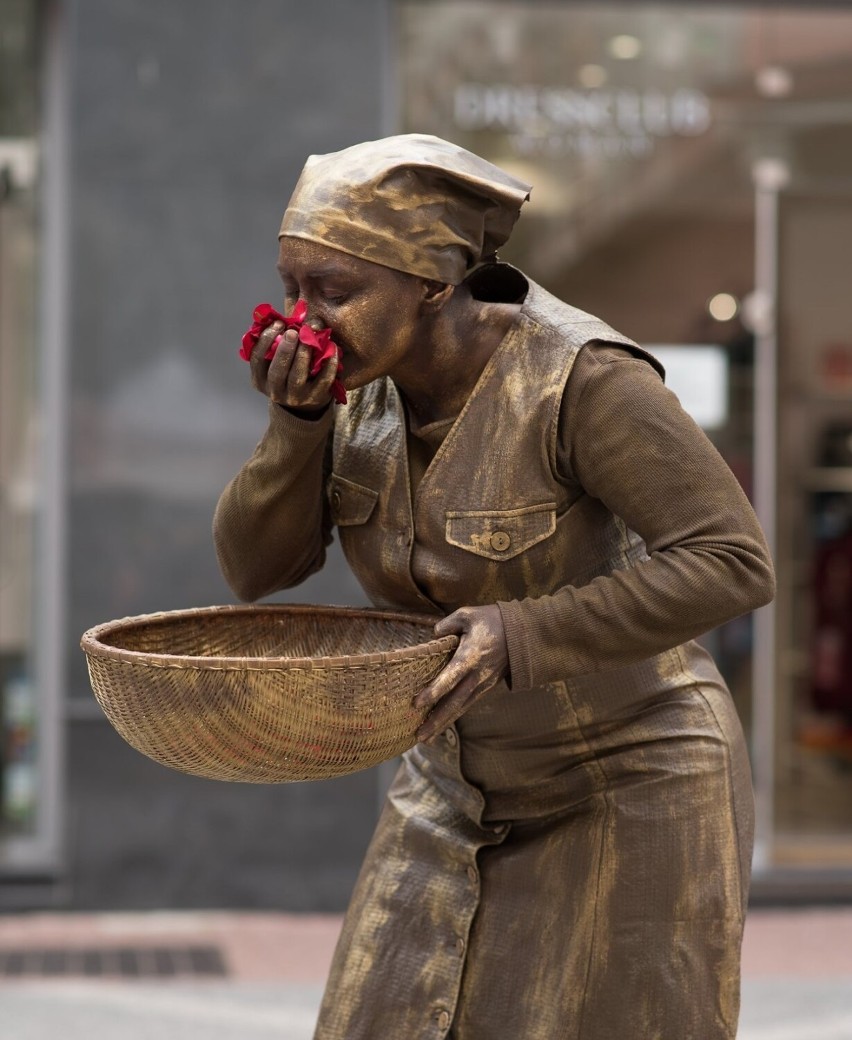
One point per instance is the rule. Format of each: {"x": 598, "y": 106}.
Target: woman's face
{"x": 372, "y": 311}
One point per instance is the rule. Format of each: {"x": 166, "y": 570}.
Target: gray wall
{"x": 190, "y": 121}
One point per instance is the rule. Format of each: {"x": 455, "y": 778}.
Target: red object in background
{"x": 835, "y": 361}
{"x": 832, "y": 645}
{"x": 320, "y": 342}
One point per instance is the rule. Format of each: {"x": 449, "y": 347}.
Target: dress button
{"x": 472, "y": 875}
{"x": 460, "y": 947}
{"x": 500, "y": 541}
{"x": 443, "y": 1020}
{"x": 452, "y": 739}
{"x": 335, "y": 499}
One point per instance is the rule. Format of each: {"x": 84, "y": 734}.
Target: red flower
{"x": 321, "y": 343}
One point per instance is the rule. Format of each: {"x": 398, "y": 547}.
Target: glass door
{"x": 29, "y": 575}
{"x": 657, "y": 138}
{"x": 813, "y": 732}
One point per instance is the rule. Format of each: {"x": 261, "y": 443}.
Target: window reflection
{"x": 18, "y": 433}
{"x": 640, "y": 127}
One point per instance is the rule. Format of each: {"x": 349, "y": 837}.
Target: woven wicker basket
{"x": 266, "y": 694}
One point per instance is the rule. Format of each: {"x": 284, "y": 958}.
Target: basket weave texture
{"x": 266, "y": 694}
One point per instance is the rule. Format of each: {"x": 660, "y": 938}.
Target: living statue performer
{"x": 565, "y": 854}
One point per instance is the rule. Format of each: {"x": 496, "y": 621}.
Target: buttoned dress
{"x": 571, "y": 858}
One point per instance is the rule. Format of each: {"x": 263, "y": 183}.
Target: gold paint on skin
{"x": 433, "y": 340}
{"x": 570, "y": 858}
{"x": 627, "y": 861}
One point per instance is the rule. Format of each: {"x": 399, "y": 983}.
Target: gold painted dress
{"x": 571, "y": 859}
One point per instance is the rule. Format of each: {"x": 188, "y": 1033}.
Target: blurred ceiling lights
{"x": 773, "y": 81}
{"x": 592, "y": 76}
{"x": 723, "y": 306}
{"x": 625, "y": 47}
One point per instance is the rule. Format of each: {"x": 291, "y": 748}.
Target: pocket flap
{"x": 500, "y": 534}
{"x": 350, "y": 503}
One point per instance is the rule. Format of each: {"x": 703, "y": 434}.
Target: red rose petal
{"x": 299, "y": 312}
{"x": 308, "y": 336}
{"x": 247, "y": 347}
{"x": 265, "y": 314}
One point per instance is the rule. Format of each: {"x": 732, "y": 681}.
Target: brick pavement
{"x": 271, "y": 947}
{"x": 797, "y": 968}
{"x": 802, "y": 943}
{"x": 257, "y": 947}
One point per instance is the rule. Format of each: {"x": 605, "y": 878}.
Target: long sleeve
{"x": 625, "y": 440}
{"x": 271, "y": 525}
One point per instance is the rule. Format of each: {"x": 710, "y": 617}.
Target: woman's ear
{"x": 436, "y": 295}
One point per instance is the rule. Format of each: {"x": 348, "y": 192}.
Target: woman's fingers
{"x": 265, "y": 340}
{"x": 305, "y": 390}
{"x": 453, "y": 624}
{"x": 259, "y": 365}
{"x": 451, "y": 708}
{"x": 480, "y": 650}
{"x": 279, "y": 367}
{"x": 326, "y": 376}
{"x": 286, "y": 379}
{"x": 300, "y": 370}
{"x": 446, "y": 680}
{"x": 479, "y": 663}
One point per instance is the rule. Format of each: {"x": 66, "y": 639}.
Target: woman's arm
{"x": 272, "y": 524}
{"x": 625, "y": 439}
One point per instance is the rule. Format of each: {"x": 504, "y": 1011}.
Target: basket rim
{"x": 91, "y": 640}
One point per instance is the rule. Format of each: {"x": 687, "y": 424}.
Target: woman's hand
{"x": 479, "y": 663}
{"x": 286, "y": 378}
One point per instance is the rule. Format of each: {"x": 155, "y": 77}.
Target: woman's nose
{"x": 314, "y": 316}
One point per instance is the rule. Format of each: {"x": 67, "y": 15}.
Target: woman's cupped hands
{"x": 291, "y": 363}
{"x": 481, "y": 660}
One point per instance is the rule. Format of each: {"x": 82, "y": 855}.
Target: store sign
{"x": 562, "y": 121}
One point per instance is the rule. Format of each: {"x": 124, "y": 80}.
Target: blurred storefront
{"x": 30, "y": 711}
{"x": 692, "y": 172}
{"x": 149, "y": 153}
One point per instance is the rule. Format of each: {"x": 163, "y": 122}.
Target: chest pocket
{"x": 500, "y": 534}
{"x": 350, "y": 503}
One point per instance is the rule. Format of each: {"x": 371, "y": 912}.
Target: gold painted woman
{"x": 566, "y": 852}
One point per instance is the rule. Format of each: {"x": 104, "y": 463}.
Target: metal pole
{"x": 53, "y": 333}
{"x": 770, "y": 177}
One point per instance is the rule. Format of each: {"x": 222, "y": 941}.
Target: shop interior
{"x": 643, "y": 140}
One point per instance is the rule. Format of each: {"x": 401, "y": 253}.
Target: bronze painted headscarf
{"x": 413, "y": 202}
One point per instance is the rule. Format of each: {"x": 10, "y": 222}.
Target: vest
{"x": 490, "y": 519}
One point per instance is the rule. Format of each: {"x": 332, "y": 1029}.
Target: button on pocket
{"x": 500, "y": 541}
{"x": 500, "y": 534}
{"x": 350, "y": 503}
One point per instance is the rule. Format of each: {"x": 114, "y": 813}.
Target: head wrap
{"x": 413, "y": 202}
